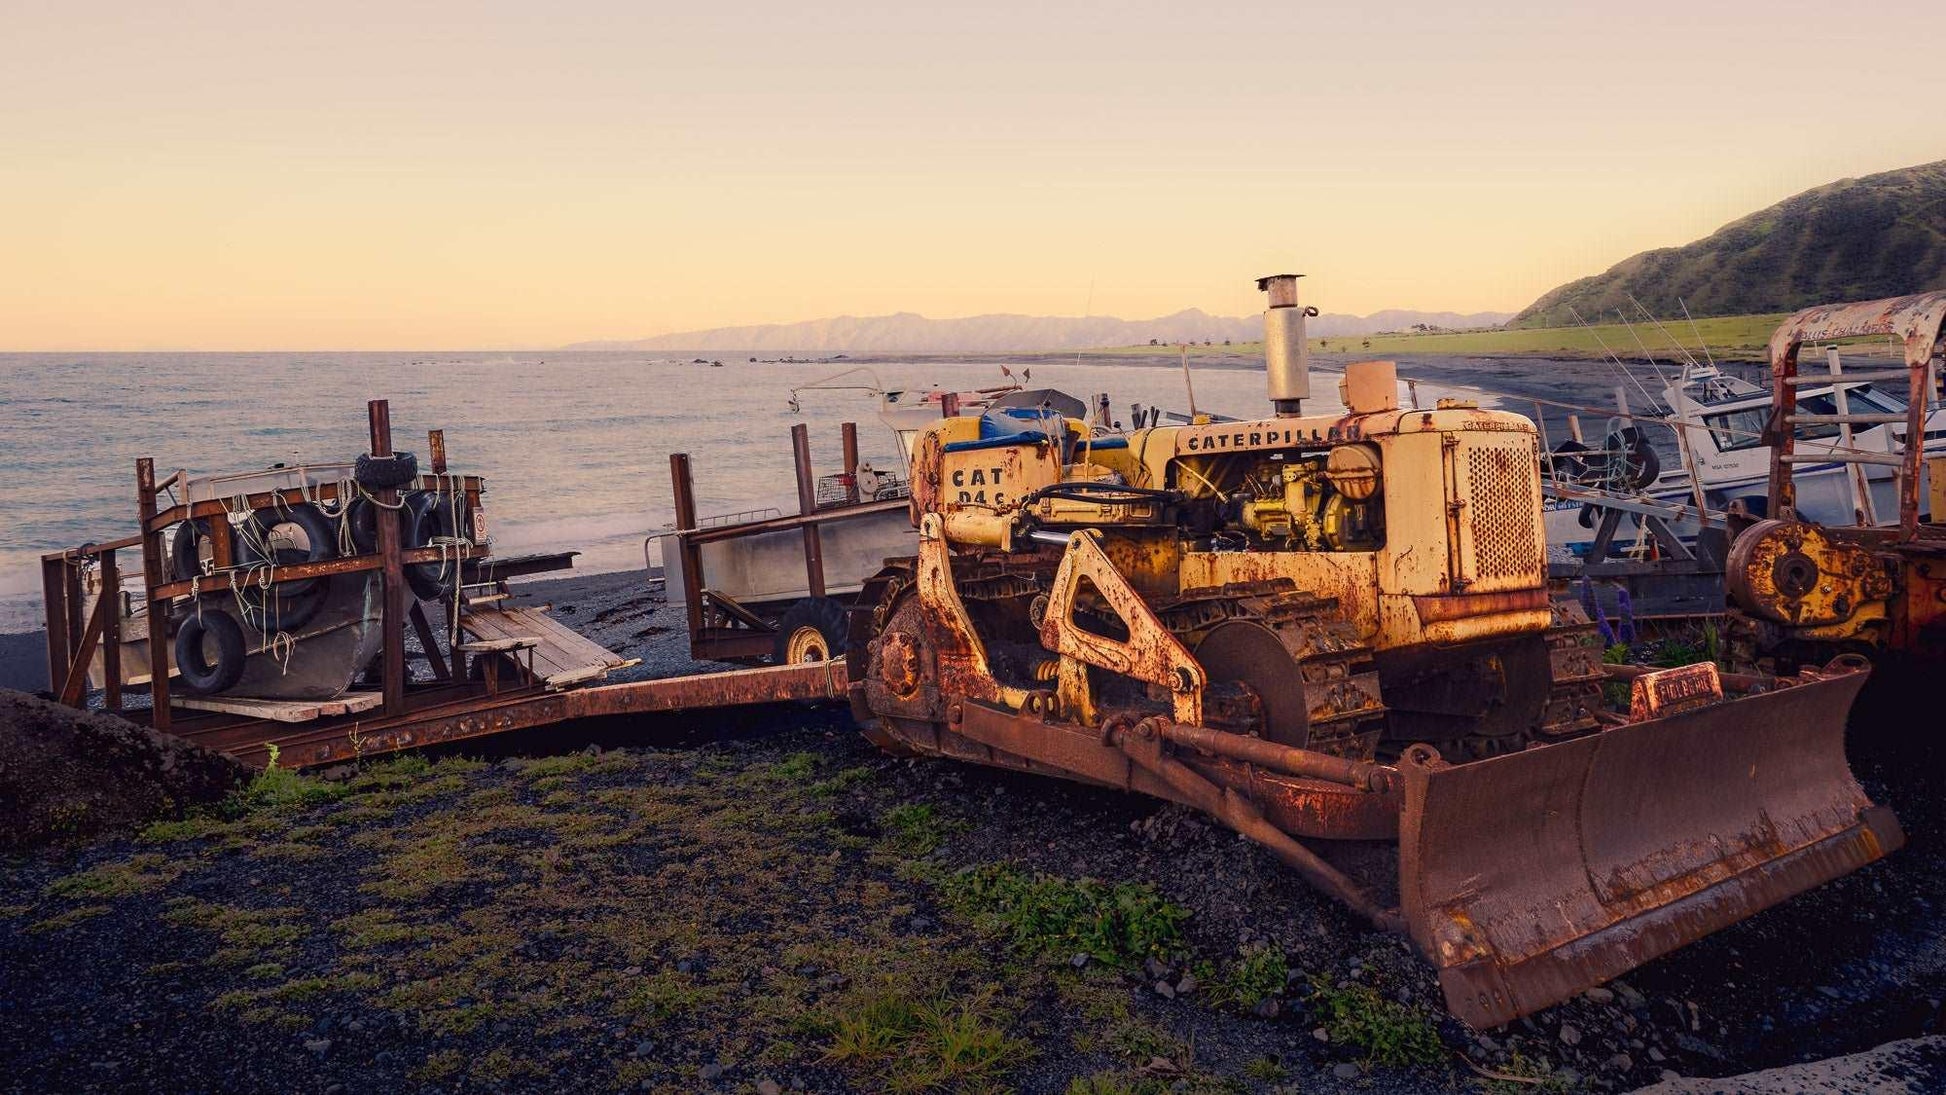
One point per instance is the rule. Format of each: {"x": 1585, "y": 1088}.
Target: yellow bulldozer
{"x": 1327, "y": 628}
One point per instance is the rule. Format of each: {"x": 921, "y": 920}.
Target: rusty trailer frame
{"x": 449, "y": 708}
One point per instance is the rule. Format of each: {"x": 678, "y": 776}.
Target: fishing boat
{"x": 1716, "y": 422}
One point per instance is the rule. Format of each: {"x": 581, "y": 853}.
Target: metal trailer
{"x": 769, "y": 585}
{"x": 508, "y": 685}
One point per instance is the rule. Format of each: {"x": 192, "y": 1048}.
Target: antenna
{"x": 1698, "y": 332}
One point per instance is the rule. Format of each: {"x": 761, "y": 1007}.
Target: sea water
{"x": 574, "y": 444}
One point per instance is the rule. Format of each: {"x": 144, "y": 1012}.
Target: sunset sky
{"x": 454, "y": 175}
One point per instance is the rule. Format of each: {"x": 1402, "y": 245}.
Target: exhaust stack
{"x": 1287, "y": 356}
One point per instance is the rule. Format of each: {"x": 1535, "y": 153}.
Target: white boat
{"x": 1722, "y": 418}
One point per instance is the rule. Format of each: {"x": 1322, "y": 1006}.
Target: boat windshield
{"x": 1743, "y": 429}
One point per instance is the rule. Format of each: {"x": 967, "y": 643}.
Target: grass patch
{"x": 914, "y": 829}
{"x": 840, "y": 782}
{"x": 1118, "y": 924}
{"x": 1388, "y": 1032}
{"x": 278, "y": 790}
{"x": 137, "y": 874}
{"x": 250, "y": 937}
{"x": 915, "y": 1044}
{"x": 1258, "y": 974}
{"x": 68, "y": 919}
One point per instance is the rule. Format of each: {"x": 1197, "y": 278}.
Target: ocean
{"x": 574, "y": 445}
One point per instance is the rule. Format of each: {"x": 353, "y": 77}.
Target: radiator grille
{"x": 1501, "y": 497}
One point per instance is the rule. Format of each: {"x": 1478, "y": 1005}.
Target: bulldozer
{"x": 1874, "y": 587}
{"x": 1327, "y": 629}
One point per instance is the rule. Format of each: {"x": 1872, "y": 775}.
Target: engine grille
{"x": 1501, "y": 498}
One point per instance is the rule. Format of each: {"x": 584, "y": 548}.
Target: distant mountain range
{"x": 1856, "y": 239}
{"x": 907, "y": 332}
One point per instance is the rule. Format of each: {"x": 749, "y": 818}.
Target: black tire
{"x": 277, "y": 610}
{"x": 186, "y": 549}
{"x": 822, "y": 615}
{"x": 319, "y": 532}
{"x": 362, "y": 519}
{"x": 1569, "y": 463}
{"x": 429, "y": 515}
{"x": 382, "y": 472}
{"x": 199, "y": 675}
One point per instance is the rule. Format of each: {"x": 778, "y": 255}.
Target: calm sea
{"x": 574, "y": 445}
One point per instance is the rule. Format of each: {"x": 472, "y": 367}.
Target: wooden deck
{"x": 557, "y": 655}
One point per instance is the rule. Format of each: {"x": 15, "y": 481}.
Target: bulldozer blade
{"x": 1531, "y": 877}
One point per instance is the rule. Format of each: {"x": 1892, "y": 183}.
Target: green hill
{"x": 1856, "y": 239}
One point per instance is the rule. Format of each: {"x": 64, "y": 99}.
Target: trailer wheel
{"x": 198, "y": 636}
{"x": 814, "y": 629}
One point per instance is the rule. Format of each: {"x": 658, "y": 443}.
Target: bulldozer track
{"x": 1344, "y": 707}
{"x": 1574, "y": 663}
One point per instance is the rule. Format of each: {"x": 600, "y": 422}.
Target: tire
{"x": 319, "y": 532}
{"x": 362, "y": 519}
{"x": 815, "y": 629}
{"x": 198, "y": 674}
{"x": 427, "y": 516}
{"x": 186, "y": 549}
{"x": 383, "y": 472}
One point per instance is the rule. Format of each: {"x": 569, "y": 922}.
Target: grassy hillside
{"x": 1882, "y": 235}
{"x": 1726, "y": 337}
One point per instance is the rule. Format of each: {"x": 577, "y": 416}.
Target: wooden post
{"x": 807, "y": 504}
{"x": 111, "y": 642}
{"x": 152, "y": 580}
{"x": 850, "y": 431}
{"x": 54, "y": 599}
{"x": 436, "y": 450}
{"x": 949, "y": 405}
{"x": 392, "y": 580}
{"x": 689, "y": 558}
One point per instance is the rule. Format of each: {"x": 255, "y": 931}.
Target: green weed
{"x": 1118, "y": 924}
{"x": 1388, "y": 1032}
{"x": 278, "y": 790}
{"x": 917, "y": 1044}
{"x": 914, "y": 829}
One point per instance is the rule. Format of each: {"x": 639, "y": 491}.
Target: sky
{"x": 441, "y": 174}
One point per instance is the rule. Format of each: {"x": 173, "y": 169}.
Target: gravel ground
{"x": 689, "y": 904}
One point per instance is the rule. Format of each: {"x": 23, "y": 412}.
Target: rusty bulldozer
{"x": 1337, "y": 628}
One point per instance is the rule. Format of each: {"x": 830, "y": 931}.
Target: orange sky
{"x": 363, "y": 175}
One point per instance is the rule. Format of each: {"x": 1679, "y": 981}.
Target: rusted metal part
{"x": 436, "y": 450}
{"x": 1439, "y": 608}
{"x": 807, "y": 503}
{"x": 423, "y": 628}
{"x": 470, "y": 485}
{"x": 457, "y": 713}
{"x": 1527, "y": 878}
{"x": 1279, "y": 758}
{"x": 848, "y": 441}
{"x": 296, "y": 572}
{"x": 392, "y": 570}
{"x": 1149, "y": 653}
{"x": 1672, "y": 691}
{"x": 111, "y": 651}
{"x": 1917, "y": 321}
{"x": 1298, "y": 806}
{"x": 158, "y": 602}
{"x": 1822, "y": 581}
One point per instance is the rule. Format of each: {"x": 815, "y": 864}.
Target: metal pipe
{"x": 1281, "y": 758}
{"x": 849, "y": 430}
{"x": 1287, "y": 355}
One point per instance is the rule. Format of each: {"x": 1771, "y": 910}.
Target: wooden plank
{"x": 275, "y": 710}
{"x": 517, "y": 642}
{"x": 76, "y": 684}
